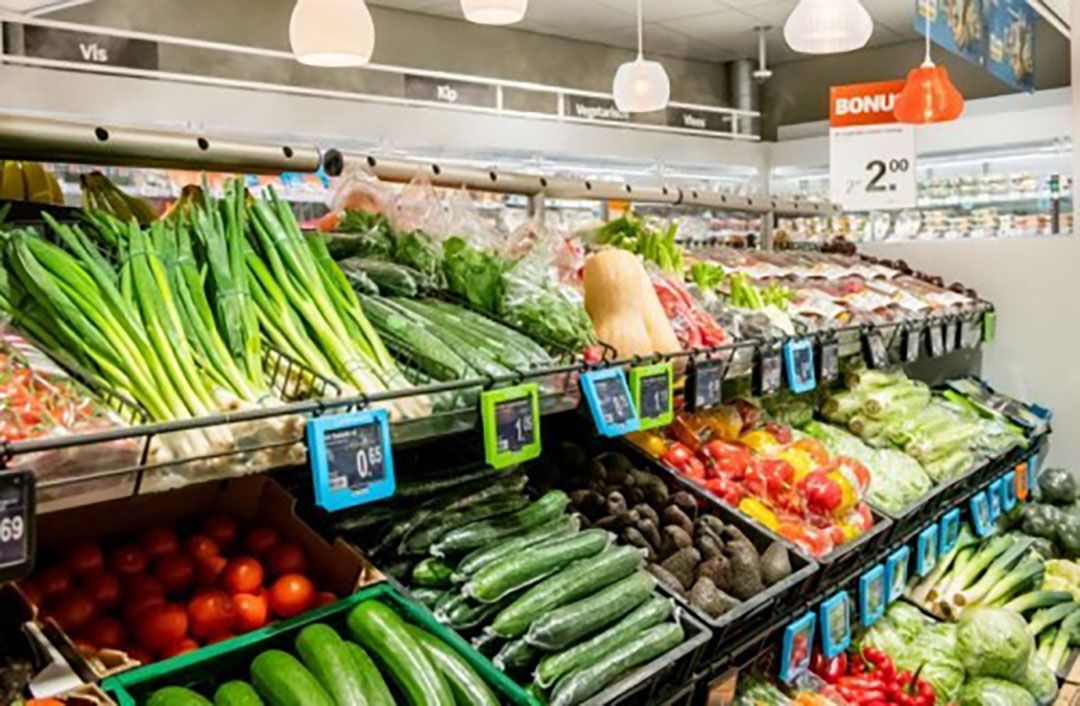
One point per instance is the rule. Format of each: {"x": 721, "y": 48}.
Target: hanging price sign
{"x": 989, "y": 326}
{"x": 798, "y": 647}
{"x": 351, "y": 459}
{"x": 18, "y": 522}
{"x": 872, "y": 595}
{"x": 608, "y": 396}
{"x": 769, "y": 372}
{"x": 799, "y": 357}
{"x": 835, "y": 622}
{"x": 936, "y": 339}
{"x": 829, "y": 362}
{"x": 1022, "y": 481}
{"x": 877, "y": 353}
{"x": 511, "y": 421}
{"x": 705, "y": 385}
{"x": 912, "y": 345}
{"x": 652, "y": 387}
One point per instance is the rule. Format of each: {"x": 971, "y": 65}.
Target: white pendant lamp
{"x": 828, "y": 26}
{"x": 641, "y": 86}
{"x": 494, "y": 12}
{"x": 334, "y": 33}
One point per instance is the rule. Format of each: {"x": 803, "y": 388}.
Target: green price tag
{"x": 989, "y": 326}
{"x": 651, "y": 387}
{"x": 511, "y": 421}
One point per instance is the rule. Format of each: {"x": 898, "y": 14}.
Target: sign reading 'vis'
{"x": 87, "y": 48}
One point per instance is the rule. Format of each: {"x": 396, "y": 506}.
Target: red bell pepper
{"x": 730, "y": 460}
{"x": 831, "y": 670}
{"x": 823, "y": 495}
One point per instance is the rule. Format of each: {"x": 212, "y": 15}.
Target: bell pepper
{"x": 829, "y": 669}
{"x": 685, "y": 432}
{"x": 651, "y": 443}
{"x": 823, "y": 495}
{"x": 682, "y": 459}
{"x": 779, "y": 431}
{"x": 757, "y": 510}
{"x": 779, "y": 476}
{"x": 800, "y": 461}
{"x": 760, "y": 442}
{"x": 814, "y": 449}
{"x": 726, "y": 489}
{"x": 725, "y": 422}
{"x": 727, "y": 459}
{"x": 814, "y": 541}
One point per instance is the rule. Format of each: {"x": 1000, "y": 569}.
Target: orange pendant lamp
{"x": 929, "y": 95}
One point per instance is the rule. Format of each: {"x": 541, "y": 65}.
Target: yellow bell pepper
{"x": 757, "y": 510}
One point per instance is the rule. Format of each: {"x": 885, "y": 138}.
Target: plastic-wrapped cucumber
{"x": 564, "y": 526}
{"x": 480, "y": 534}
{"x": 497, "y": 580}
{"x": 516, "y": 656}
{"x": 439, "y": 525}
{"x": 562, "y": 627}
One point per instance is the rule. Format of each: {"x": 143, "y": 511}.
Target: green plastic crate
{"x": 203, "y": 670}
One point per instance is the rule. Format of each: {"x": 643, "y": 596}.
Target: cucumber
{"x": 559, "y": 527}
{"x": 375, "y": 688}
{"x": 579, "y": 580}
{"x": 432, "y": 573}
{"x": 496, "y": 581}
{"x": 468, "y": 614}
{"x": 381, "y": 631}
{"x": 445, "y": 601}
{"x": 176, "y": 696}
{"x": 487, "y": 644}
{"x": 554, "y": 666}
{"x": 283, "y": 681}
{"x": 237, "y": 693}
{"x": 646, "y": 646}
{"x": 436, "y": 527}
{"x": 468, "y": 688}
{"x": 443, "y": 483}
{"x": 486, "y": 532}
{"x": 322, "y": 651}
{"x": 564, "y": 626}
{"x": 516, "y": 656}
{"x": 427, "y": 597}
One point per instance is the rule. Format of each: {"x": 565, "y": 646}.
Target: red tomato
{"x": 106, "y": 633}
{"x": 208, "y": 571}
{"x": 291, "y": 595}
{"x": 260, "y": 539}
{"x": 221, "y": 529}
{"x": 103, "y": 588}
{"x": 135, "y": 607}
{"x": 243, "y": 575}
{"x": 159, "y": 541}
{"x": 32, "y": 593}
{"x": 183, "y": 647}
{"x": 85, "y": 558}
{"x": 200, "y": 546}
{"x": 141, "y": 584}
{"x": 323, "y": 598}
{"x": 211, "y": 613}
{"x": 287, "y": 558}
{"x": 160, "y": 627}
{"x": 53, "y": 581}
{"x": 127, "y": 560}
{"x": 252, "y": 610}
{"x": 176, "y": 572}
{"x": 74, "y": 611}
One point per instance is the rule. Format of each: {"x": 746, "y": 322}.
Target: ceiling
{"x": 712, "y": 30}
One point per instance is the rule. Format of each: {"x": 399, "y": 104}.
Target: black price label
{"x": 616, "y": 407}
{"x": 770, "y": 373}
{"x": 912, "y": 345}
{"x": 952, "y": 332}
{"x": 877, "y": 353}
{"x": 355, "y": 457}
{"x": 17, "y": 517}
{"x": 655, "y": 396}
{"x": 829, "y": 366}
{"x": 708, "y": 383}
{"x": 514, "y": 429}
{"x": 937, "y": 341}
{"x": 970, "y": 334}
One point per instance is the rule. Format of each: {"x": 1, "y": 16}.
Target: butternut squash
{"x": 624, "y": 307}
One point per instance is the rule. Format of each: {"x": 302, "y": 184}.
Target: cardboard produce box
{"x": 336, "y": 566}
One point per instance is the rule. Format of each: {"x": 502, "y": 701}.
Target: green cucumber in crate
{"x": 564, "y": 626}
{"x": 428, "y": 597}
{"x": 376, "y": 691}
{"x": 282, "y": 680}
{"x": 464, "y": 614}
{"x": 176, "y": 696}
{"x": 467, "y": 687}
{"x": 578, "y": 580}
{"x": 382, "y": 631}
{"x": 555, "y": 666}
{"x": 560, "y": 527}
{"x": 486, "y": 532}
{"x": 496, "y": 581}
{"x": 516, "y": 656}
{"x": 323, "y": 652}
{"x": 646, "y": 646}
{"x": 432, "y": 573}
{"x": 437, "y": 526}
{"x": 237, "y": 693}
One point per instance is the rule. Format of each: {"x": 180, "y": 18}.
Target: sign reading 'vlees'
{"x": 871, "y": 157}
{"x": 87, "y": 48}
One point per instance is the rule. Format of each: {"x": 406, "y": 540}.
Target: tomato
{"x": 106, "y": 633}
{"x": 211, "y": 613}
{"x": 127, "y": 561}
{"x": 32, "y": 593}
{"x": 141, "y": 584}
{"x": 159, "y": 541}
{"x": 208, "y": 571}
{"x": 221, "y": 529}
{"x": 252, "y": 610}
{"x": 135, "y": 607}
{"x": 53, "y": 581}
{"x": 260, "y": 539}
{"x": 243, "y": 575}
{"x": 287, "y": 558}
{"x": 85, "y": 558}
{"x": 291, "y": 595}
{"x": 200, "y": 546}
{"x": 44, "y": 702}
{"x": 182, "y": 647}
{"x": 161, "y": 626}
{"x": 323, "y": 598}
{"x": 103, "y": 588}
{"x": 74, "y": 611}
{"x": 176, "y": 572}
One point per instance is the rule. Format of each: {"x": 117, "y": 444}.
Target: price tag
{"x": 511, "y": 420}
{"x": 970, "y": 334}
{"x": 896, "y": 572}
{"x": 609, "y": 400}
{"x": 1008, "y": 492}
{"x": 835, "y": 624}
{"x": 989, "y": 331}
{"x": 877, "y": 353}
{"x": 705, "y": 385}
{"x": 912, "y": 345}
{"x": 993, "y": 499}
{"x": 829, "y": 362}
{"x": 952, "y": 332}
{"x": 798, "y": 646}
{"x": 872, "y": 594}
{"x": 769, "y": 373}
{"x": 980, "y": 515}
{"x": 936, "y": 338}
{"x": 351, "y": 459}
{"x": 949, "y": 531}
{"x": 872, "y": 167}
{"x": 1022, "y": 481}
{"x": 722, "y": 690}
{"x": 652, "y": 389}
{"x": 926, "y": 550}
{"x": 799, "y": 357}
{"x": 18, "y": 522}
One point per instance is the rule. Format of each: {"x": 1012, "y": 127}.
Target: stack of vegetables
{"x": 556, "y": 605}
{"x": 1052, "y": 515}
{"x": 756, "y": 690}
{"x": 638, "y": 236}
{"x": 870, "y": 676}
{"x": 389, "y": 660}
{"x": 793, "y": 486}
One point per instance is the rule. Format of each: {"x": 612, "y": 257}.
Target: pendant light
{"x": 828, "y": 26}
{"x": 929, "y": 95}
{"x": 641, "y": 86}
{"x": 494, "y": 12}
{"x": 333, "y": 33}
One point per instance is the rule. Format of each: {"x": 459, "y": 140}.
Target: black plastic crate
{"x": 846, "y": 560}
{"x": 918, "y": 513}
{"x": 759, "y": 655}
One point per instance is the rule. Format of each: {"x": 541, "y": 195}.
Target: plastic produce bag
{"x": 693, "y": 325}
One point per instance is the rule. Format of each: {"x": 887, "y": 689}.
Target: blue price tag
{"x": 351, "y": 459}
{"x": 1033, "y": 472}
{"x": 1008, "y": 491}
{"x": 993, "y": 500}
{"x": 835, "y": 621}
{"x": 799, "y": 359}
{"x": 980, "y": 515}
{"x": 896, "y": 572}
{"x": 608, "y": 395}
{"x": 927, "y": 550}
{"x": 797, "y": 648}
{"x": 949, "y": 530}
{"x": 872, "y": 596}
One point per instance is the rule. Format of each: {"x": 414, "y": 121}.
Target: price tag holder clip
{"x": 872, "y": 595}
{"x": 608, "y": 395}
{"x": 896, "y": 573}
{"x": 18, "y": 524}
{"x": 799, "y": 358}
{"x": 835, "y": 624}
{"x": 654, "y": 399}
{"x": 927, "y": 544}
{"x": 876, "y": 349}
{"x": 704, "y": 386}
{"x": 351, "y": 459}
{"x": 769, "y": 371}
{"x": 829, "y": 362}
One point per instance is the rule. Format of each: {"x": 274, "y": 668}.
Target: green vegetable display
{"x": 985, "y": 691}
{"x": 994, "y": 642}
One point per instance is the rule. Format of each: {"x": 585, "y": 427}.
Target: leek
{"x": 1027, "y": 573}
{"x": 1048, "y": 617}
{"x": 996, "y": 573}
{"x": 1038, "y": 599}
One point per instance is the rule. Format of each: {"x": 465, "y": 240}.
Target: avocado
{"x": 745, "y": 574}
{"x": 775, "y": 564}
{"x": 711, "y": 600}
{"x": 681, "y": 565}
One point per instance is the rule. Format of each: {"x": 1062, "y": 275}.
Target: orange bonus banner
{"x": 863, "y": 103}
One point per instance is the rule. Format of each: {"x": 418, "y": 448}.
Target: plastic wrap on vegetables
{"x": 693, "y": 326}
